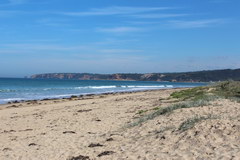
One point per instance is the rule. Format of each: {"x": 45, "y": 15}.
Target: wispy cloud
{"x": 120, "y": 51}
{"x": 120, "y": 29}
{"x": 144, "y": 22}
{"x": 7, "y": 13}
{"x": 53, "y": 22}
{"x": 196, "y": 23}
{"x": 115, "y": 10}
{"x": 219, "y": 1}
{"x": 157, "y": 15}
{"x": 37, "y": 47}
{"x": 14, "y": 2}
{"x": 114, "y": 41}
{"x": 8, "y": 3}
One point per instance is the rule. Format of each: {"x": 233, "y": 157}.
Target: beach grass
{"x": 171, "y": 108}
{"x": 191, "y": 122}
{"x": 194, "y": 97}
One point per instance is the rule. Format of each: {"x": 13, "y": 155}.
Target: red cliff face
{"x": 117, "y": 77}
{"x": 86, "y": 77}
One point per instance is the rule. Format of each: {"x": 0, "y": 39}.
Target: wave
{"x": 108, "y": 87}
{"x": 161, "y": 86}
{"x": 84, "y": 87}
{"x": 11, "y": 99}
{"x": 158, "y": 86}
{"x": 124, "y": 86}
{"x": 96, "y": 87}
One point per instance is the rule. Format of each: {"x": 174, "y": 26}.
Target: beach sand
{"x": 96, "y": 127}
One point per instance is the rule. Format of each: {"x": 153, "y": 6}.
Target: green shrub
{"x": 193, "y": 93}
{"x": 228, "y": 89}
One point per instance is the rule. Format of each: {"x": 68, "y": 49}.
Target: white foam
{"x": 96, "y": 87}
{"x": 124, "y": 86}
{"x": 11, "y": 99}
{"x": 102, "y": 87}
{"x": 47, "y": 89}
{"x": 160, "y": 86}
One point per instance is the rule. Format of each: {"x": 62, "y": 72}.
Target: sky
{"x": 118, "y": 36}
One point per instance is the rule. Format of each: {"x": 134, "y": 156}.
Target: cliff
{"x": 199, "y": 76}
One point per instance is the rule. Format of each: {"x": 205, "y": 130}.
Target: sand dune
{"x": 96, "y": 127}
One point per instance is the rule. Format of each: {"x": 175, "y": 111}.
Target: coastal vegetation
{"x": 190, "y": 123}
{"x": 194, "y": 97}
{"x": 170, "y": 109}
{"x": 228, "y": 89}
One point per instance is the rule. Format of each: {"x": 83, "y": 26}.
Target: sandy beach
{"x": 98, "y": 127}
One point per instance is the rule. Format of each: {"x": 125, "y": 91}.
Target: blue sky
{"x": 118, "y": 36}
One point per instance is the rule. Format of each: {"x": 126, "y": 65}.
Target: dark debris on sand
{"x": 72, "y": 132}
{"x": 32, "y": 144}
{"x": 95, "y": 145}
{"x": 84, "y": 110}
{"x": 109, "y": 139}
{"x": 105, "y": 153}
{"x": 80, "y": 157}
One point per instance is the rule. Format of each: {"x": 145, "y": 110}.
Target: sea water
{"x": 17, "y": 89}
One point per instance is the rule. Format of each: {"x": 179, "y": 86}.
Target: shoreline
{"x": 20, "y": 91}
{"x": 82, "y": 96}
{"x": 19, "y": 104}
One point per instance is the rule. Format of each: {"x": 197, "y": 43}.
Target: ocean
{"x": 17, "y": 89}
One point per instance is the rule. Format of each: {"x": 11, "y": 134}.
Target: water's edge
{"x": 13, "y": 90}
{"x": 83, "y": 96}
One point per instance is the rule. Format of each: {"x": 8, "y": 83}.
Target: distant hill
{"x": 199, "y": 76}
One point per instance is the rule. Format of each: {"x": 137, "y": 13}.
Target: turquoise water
{"x": 16, "y": 89}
